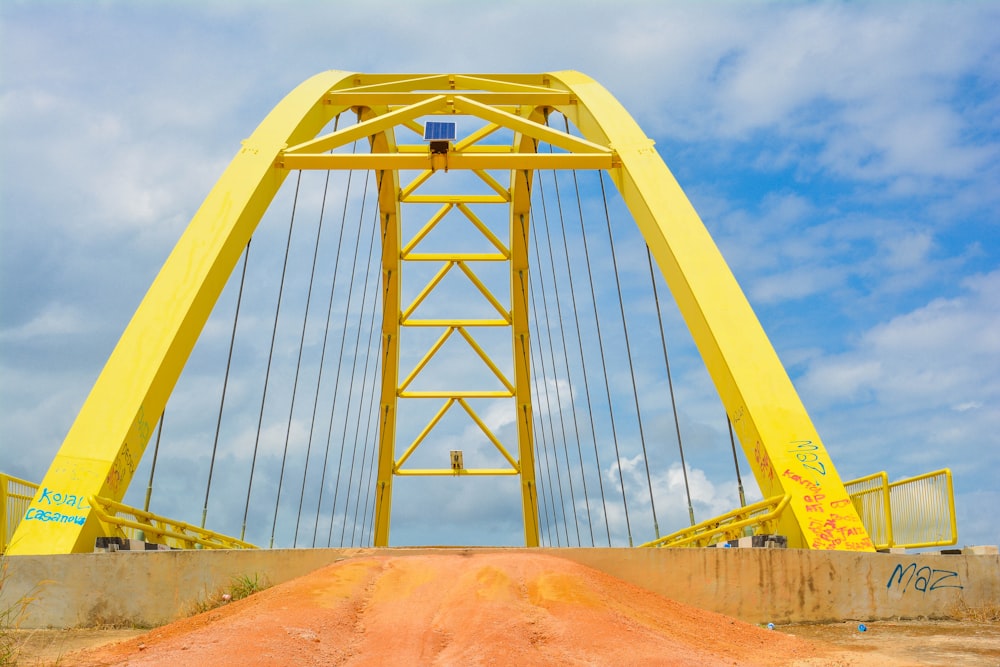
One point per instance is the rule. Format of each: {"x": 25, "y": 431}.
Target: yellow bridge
{"x": 440, "y": 149}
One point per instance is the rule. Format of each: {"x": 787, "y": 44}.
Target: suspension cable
{"x": 319, "y": 374}
{"x": 340, "y": 357}
{"x": 670, "y": 383}
{"x": 270, "y": 357}
{"x": 326, "y": 333}
{"x": 545, "y": 388}
{"x": 548, "y": 465}
{"x": 628, "y": 351}
{"x": 225, "y": 383}
{"x": 380, "y": 372}
{"x": 535, "y": 396}
{"x": 295, "y": 383}
{"x": 555, "y": 381}
{"x": 156, "y": 452}
{"x": 350, "y": 397}
{"x": 372, "y": 418}
{"x": 736, "y": 462}
{"x": 528, "y": 425}
{"x": 371, "y": 403}
{"x": 565, "y": 348}
{"x": 604, "y": 368}
{"x": 530, "y": 430}
{"x": 583, "y": 363}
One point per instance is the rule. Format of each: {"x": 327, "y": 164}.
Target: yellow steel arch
{"x": 100, "y": 453}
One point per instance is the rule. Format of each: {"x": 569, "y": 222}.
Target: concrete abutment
{"x": 151, "y": 588}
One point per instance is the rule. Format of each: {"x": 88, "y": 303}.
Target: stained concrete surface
{"x": 756, "y": 585}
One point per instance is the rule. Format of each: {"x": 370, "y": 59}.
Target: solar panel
{"x": 439, "y": 131}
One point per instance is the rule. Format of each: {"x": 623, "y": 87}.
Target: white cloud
{"x": 57, "y": 320}
{"x": 934, "y": 351}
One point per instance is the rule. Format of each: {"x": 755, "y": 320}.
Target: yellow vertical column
{"x": 519, "y": 287}
{"x": 520, "y": 209}
{"x": 389, "y": 207}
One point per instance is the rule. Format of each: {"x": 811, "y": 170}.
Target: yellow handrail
{"x": 15, "y": 498}
{"x": 912, "y": 513}
{"x": 728, "y": 526}
{"x": 160, "y": 530}
{"x": 923, "y": 509}
{"x": 870, "y": 495}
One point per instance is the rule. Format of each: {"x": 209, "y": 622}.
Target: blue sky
{"x": 843, "y": 155}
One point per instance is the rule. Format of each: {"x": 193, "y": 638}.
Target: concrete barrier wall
{"x": 757, "y": 585}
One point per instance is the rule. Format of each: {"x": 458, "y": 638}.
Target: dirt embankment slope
{"x": 483, "y": 609}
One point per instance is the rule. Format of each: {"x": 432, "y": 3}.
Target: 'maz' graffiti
{"x": 924, "y": 579}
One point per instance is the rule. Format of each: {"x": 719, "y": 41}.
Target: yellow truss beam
{"x": 454, "y": 160}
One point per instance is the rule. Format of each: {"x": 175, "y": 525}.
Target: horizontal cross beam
{"x": 417, "y": 161}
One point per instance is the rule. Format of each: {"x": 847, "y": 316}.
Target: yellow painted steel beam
{"x": 461, "y": 257}
{"x": 775, "y": 431}
{"x": 547, "y": 98}
{"x": 486, "y": 359}
{"x": 761, "y": 517}
{"x": 413, "y": 185}
{"x": 398, "y": 466}
{"x": 454, "y": 323}
{"x": 483, "y": 289}
{"x": 390, "y": 216}
{"x": 161, "y": 530}
{"x": 458, "y": 393}
{"x": 533, "y": 129}
{"x": 444, "y": 472}
{"x": 488, "y": 433}
{"x": 454, "y": 160}
{"x": 426, "y": 81}
{"x": 476, "y": 136}
{"x": 495, "y": 185}
{"x": 483, "y": 229}
{"x": 454, "y": 199}
{"x": 371, "y": 126}
{"x": 106, "y": 441}
{"x": 426, "y": 358}
{"x": 520, "y": 210}
{"x": 504, "y": 82}
{"x": 461, "y": 145}
{"x": 426, "y": 229}
{"x": 423, "y": 433}
{"x": 427, "y": 289}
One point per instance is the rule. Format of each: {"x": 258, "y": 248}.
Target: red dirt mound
{"x": 483, "y": 609}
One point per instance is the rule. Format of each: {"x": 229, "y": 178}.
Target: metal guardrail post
{"x": 15, "y": 497}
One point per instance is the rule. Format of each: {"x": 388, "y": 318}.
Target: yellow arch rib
{"x": 103, "y": 447}
{"x": 776, "y": 433}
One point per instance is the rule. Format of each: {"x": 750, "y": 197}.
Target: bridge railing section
{"x": 870, "y": 495}
{"x": 15, "y": 497}
{"x": 760, "y": 518}
{"x": 909, "y": 513}
{"x": 915, "y": 512}
{"x": 135, "y": 523}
